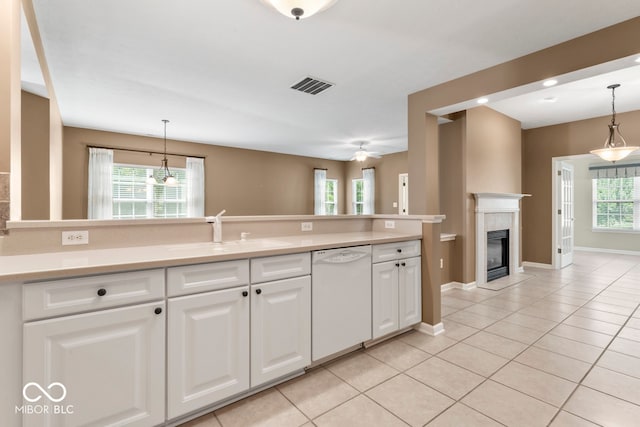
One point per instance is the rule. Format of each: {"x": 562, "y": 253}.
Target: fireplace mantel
{"x": 496, "y": 211}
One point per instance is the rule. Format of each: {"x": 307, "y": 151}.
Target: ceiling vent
{"x": 312, "y": 86}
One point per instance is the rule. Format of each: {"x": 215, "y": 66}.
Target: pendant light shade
{"x": 615, "y": 147}
{"x": 299, "y": 9}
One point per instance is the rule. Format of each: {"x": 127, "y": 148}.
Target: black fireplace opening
{"x": 497, "y": 254}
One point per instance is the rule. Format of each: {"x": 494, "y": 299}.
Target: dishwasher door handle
{"x": 342, "y": 258}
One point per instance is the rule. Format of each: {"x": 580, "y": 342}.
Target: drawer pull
{"x": 245, "y": 293}
{"x": 158, "y": 310}
{"x": 102, "y": 292}
{"x": 258, "y": 291}
{"x": 403, "y": 264}
{"x": 399, "y": 250}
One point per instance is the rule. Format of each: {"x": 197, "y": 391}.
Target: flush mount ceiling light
{"x": 168, "y": 179}
{"x": 549, "y": 83}
{"x": 615, "y": 147}
{"x": 482, "y": 100}
{"x": 299, "y": 9}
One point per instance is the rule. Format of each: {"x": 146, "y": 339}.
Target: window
{"x": 616, "y": 203}
{"x": 331, "y": 197}
{"x": 357, "y": 195}
{"x": 134, "y": 198}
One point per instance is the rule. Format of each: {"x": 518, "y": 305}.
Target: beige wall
{"x": 540, "y": 145}
{"x": 244, "y": 182}
{"x": 481, "y": 151}
{"x": 387, "y": 170}
{"x": 452, "y": 195}
{"x": 35, "y": 160}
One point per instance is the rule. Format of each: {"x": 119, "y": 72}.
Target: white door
{"x": 208, "y": 349}
{"x": 280, "y": 328}
{"x": 110, "y": 362}
{"x": 384, "y": 298}
{"x": 564, "y": 221}
{"x": 410, "y": 292}
{"x": 403, "y": 194}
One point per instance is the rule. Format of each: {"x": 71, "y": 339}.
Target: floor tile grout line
{"x": 580, "y": 383}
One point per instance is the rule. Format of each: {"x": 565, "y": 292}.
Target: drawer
{"x": 69, "y": 296}
{"x": 191, "y": 279}
{"x": 280, "y": 267}
{"x": 394, "y": 251}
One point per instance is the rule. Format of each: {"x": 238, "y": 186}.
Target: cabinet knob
{"x": 403, "y": 264}
{"x": 158, "y": 310}
{"x": 102, "y": 292}
{"x": 399, "y": 250}
{"x": 245, "y": 293}
{"x": 397, "y": 265}
{"x": 258, "y": 291}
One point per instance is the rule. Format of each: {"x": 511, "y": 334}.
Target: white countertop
{"x": 17, "y": 268}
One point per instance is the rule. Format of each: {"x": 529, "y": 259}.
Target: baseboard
{"x": 607, "y": 251}
{"x": 432, "y": 330}
{"x": 537, "y": 265}
{"x": 457, "y": 285}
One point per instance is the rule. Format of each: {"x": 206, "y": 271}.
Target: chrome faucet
{"x": 216, "y": 223}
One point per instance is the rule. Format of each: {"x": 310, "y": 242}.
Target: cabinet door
{"x": 110, "y": 362}
{"x": 280, "y": 328}
{"x": 410, "y": 292}
{"x": 384, "y": 298}
{"x": 207, "y": 349}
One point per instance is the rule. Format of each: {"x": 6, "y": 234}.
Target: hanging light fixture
{"x": 168, "y": 179}
{"x": 615, "y": 147}
{"x": 299, "y": 9}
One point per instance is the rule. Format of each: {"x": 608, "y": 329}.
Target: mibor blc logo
{"x": 33, "y": 392}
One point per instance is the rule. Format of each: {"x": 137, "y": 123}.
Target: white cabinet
{"x": 207, "y": 349}
{"x": 396, "y": 288}
{"x": 280, "y": 328}
{"x": 110, "y": 362}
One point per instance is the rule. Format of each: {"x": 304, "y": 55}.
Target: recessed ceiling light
{"x": 549, "y": 83}
{"x": 549, "y": 99}
{"x": 482, "y": 100}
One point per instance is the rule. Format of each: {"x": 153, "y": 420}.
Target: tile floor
{"x": 561, "y": 349}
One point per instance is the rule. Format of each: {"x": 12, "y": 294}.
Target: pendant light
{"x": 299, "y": 9}
{"x": 168, "y": 179}
{"x": 615, "y": 147}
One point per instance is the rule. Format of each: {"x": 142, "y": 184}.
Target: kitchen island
{"x": 129, "y": 306}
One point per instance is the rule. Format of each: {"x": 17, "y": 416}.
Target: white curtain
{"x": 100, "y": 204}
{"x": 320, "y": 186}
{"x": 369, "y": 190}
{"x": 195, "y": 187}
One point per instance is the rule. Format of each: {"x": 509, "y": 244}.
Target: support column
{"x": 424, "y": 186}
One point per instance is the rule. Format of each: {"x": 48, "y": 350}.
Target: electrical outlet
{"x": 441, "y": 263}
{"x": 75, "y": 237}
{"x": 389, "y": 224}
{"x": 307, "y": 226}
{"x": 395, "y": 204}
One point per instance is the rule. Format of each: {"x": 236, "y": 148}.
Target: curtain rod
{"x": 145, "y": 151}
{"x": 320, "y": 169}
{"x": 372, "y": 167}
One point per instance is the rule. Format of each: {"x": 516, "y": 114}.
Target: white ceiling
{"x": 220, "y": 71}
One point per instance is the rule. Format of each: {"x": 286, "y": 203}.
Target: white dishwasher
{"x": 340, "y": 299}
